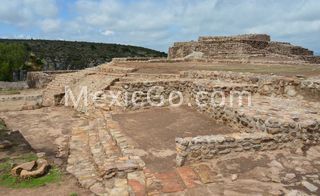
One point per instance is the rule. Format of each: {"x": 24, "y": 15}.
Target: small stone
{"x": 289, "y": 177}
{"x": 205, "y": 173}
{"x": 58, "y": 162}
{"x": 309, "y": 186}
{"x": 234, "y": 177}
{"x": 300, "y": 76}
{"x": 127, "y": 166}
{"x": 296, "y": 193}
{"x": 97, "y": 188}
{"x": 41, "y": 155}
{"x": 314, "y": 176}
{"x": 275, "y": 163}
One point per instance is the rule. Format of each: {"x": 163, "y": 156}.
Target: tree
{"x": 12, "y": 58}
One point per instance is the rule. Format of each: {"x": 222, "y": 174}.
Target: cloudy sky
{"x": 158, "y": 23}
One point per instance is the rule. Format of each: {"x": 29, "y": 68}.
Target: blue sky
{"x": 157, "y": 24}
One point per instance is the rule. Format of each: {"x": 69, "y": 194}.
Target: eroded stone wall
{"x": 207, "y": 147}
{"x": 267, "y": 85}
{"x": 257, "y": 46}
{"x": 134, "y": 95}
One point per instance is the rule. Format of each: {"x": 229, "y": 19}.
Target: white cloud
{"x": 26, "y": 12}
{"x": 107, "y": 33}
{"x": 158, "y": 24}
{"x": 50, "y": 25}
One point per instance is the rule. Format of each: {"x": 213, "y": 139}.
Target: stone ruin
{"x": 284, "y": 112}
{"x": 243, "y": 48}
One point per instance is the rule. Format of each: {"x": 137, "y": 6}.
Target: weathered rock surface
{"x": 31, "y": 169}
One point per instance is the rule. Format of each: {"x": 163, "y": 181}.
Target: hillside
{"x": 61, "y": 55}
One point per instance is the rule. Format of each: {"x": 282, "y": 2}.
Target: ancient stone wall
{"x": 207, "y": 147}
{"x": 241, "y": 47}
{"x": 20, "y": 102}
{"x": 13, "y": 85}
{"x": 134, "y": 95}
{"x": 38, "y": 79}
{"x": 254, "y": 37}
{"x": 278, "y": 86}
{"x": 55, "y": 90}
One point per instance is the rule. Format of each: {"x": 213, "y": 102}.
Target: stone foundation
{"x": 156, "y": 90}
{"x": 256, "y": 47}
{"x": 202, "y": 148}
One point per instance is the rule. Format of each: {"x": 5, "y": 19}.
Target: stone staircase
{"x": 55, "y": 90}
{"x": 96, "y": 161}
{"x": 56, "y": 87}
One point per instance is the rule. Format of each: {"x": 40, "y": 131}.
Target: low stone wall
{"x": 137, "y": 59}
{"x": 139, "y": 100}
{"x": 278, "y": 86}
{"x": 13, "y": 85}
{"x": 141, "y": 76}
{"x": 311, "y": 84}
{"x": 55, "y": 90}
{"x": 254, "y": 37}
{"x": 201, "y": 148}
{"x": 20, "y": 102}
{"x": 38, "y": 79}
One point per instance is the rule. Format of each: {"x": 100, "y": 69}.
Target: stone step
{"x": 96, "y": 148}
{"x": 86, "y": 165}
{"x": 80, "y": 161}
{"x": 118, "y": 75}
{"x": 115, "y": 69}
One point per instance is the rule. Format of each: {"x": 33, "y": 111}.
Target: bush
{"x": 12, "y": 58}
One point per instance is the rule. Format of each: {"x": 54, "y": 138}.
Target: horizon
{"x": 157, "y": 26}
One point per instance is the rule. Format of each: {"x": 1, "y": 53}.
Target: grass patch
{"x": 9, "y": 92}
{"x": 7, "y": 180}
{"x": 73, "y": 194}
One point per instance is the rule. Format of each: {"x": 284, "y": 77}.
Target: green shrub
{"x": 12, "y": 58}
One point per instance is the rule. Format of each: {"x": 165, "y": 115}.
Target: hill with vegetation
{"x": 33, "y": 55}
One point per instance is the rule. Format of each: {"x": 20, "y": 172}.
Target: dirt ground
{"x": 65, "y": 187}
{"x": 285, "y": 70}
{"x": 46, "y": 130}
{"x": 154, "y": 131}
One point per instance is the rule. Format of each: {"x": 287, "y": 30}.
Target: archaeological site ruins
{"x": 218, "y": 116}
{"x": 254, "y": 48}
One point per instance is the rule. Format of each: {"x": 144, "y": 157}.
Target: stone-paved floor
{"x": 264, "y": 173}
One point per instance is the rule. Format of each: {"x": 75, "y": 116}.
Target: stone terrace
{"x": 247, "y": 48}
{"x": 108, "y": 157}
